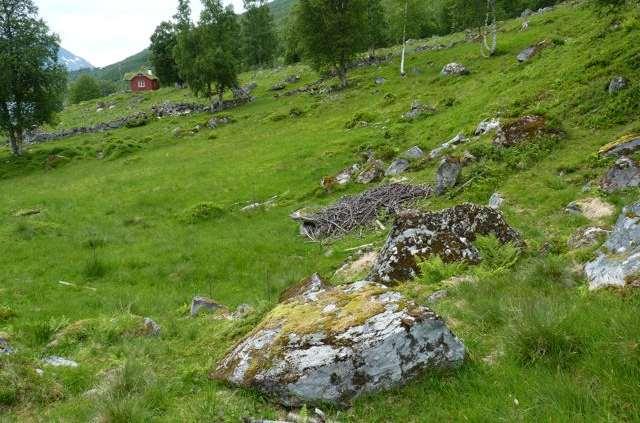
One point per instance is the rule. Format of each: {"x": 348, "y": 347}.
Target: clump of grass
{"x": 201, "y": 212}
{"x": 360, "y": 119}
{"x": 94, "y": 267}
{"x": 434, "y": 270}
{"x": 6, "y": 313}
{"x": 496, "y": 257}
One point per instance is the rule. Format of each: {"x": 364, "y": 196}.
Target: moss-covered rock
{"x": 327, "y": 344}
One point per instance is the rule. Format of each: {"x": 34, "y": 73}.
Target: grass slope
{"x": 119, "y": 219}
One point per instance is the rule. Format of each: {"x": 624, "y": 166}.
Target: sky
{"x": 107, "y": 31}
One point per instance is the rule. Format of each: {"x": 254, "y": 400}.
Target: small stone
{"x": 397, "y": 167}
{"x": 5, "y": 347}
{"x": 199, "y": 304}
{"x": 39, "y": 372}
{"x": 414, "y": 153}
{"x": 452, "y": 143}
{"x": 417, "y": 109}
{"x": 447, "y": 174}
{"x": 151, "y": 328}
{"x": 528, "y": 53}
{"x": 437, "y": 296}
{"x": 617, "y": 84}
{"x": 57, "y": 361}
{"x": 487, "y": 126}
{"x": 586, "y": 237}
{"x": 592, "y": 208}
{"x": 372, "y": 171}
{"x": 242, "y": 311}
{"x": 454, "y": 69}
{"x": 380, "y": 80}
{"x": 496, "y": 200}
{"x": 279, "y": 86}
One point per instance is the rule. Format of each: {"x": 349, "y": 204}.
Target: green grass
{"x": 139, "y": 221}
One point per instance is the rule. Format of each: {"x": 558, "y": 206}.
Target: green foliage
{"x": 495, "y": 256}
{"x": 163, "y": 43}
{"x": 84, "y": 88}
{"x": 331, "y": 33}
{"x": 32, "y": 82}
{"x": 434, "y": 270}
{"x": 259, "y": 41}
{"x": 6, "y": 313}
{"x": 360, "y": 119}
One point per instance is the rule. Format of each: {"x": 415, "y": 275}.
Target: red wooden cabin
{"x": 144, "y": 82}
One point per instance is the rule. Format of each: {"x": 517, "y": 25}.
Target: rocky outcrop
{"x": 447, "y": 174}
{"x": 454, "y": 69}
{"x": 625, "y": 173}
{"x": 332, "y": 345}
{"x": 625, "y": 145}
{"x": 178, "y": 109}
{"x": 448, "y": 234}
{"x": 397, "y": 167}
{"x": 619, "y": 262}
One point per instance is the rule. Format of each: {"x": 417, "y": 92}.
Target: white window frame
{"x": 141, "y": 83}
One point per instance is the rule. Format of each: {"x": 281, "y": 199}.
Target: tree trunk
{"x": 404, "y": 38}
{"x": 15, "y": 140}
{"x": 342, "y": 74}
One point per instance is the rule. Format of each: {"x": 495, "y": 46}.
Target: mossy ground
{"x": 541, "y": 347}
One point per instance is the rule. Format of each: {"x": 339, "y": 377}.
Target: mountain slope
{"x": 115, "y": 72}
{"x": 105, "y": 229}
{"x": 71, "y": 61}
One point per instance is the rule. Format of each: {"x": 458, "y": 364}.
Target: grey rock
{"x": 199, "y": 304}
{"x": 487, "y": 126}
{"x": 586, "y": 237}
{"x": 242, "y": 311}
{"x": 372, "y": 171}
{"x": 592, "y": 208}
{"x": 496, "y": 200}
{"x": 447, "y": 174}
{"x": 625, "y": 173}
{"x": 345, "y": 176}
{"x": 217, "y": 121}
{"x": 529, "y": 52}
{"x": 414, "y": 153}
{"x": 447, "y": 234}
{"x": 526, "y": 13}
{"x": 292, "y": 79}
{"x": 417, "y": 109}
{"x": 452, "y": 143}
{"x": 151, "y": 328}
{"x": 437, "y": 296}
{"x": 56, "y": 361}
{"x": 5, "y": 347}
{"x": 397, "y": 167}
{"x": 617, "y": 84}
{"x": 380, "y": 80}
{"x": 298, "y": 359}
{"x": 279, "y": 86}
{"x": 454, "y": 69}
{"x": 625, "y": 145}
{"x": 620, "y": 258}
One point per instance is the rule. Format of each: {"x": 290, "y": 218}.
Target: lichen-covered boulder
{"x": 619, "y": 262}
{"x": 517, "y": 131}
{"x": 448, "y": 234}
{"x": 625, "y": 145}
{"x": 454, "y": 69}
{"x": 625, "y": 173}
{"x": 334, "y": 344}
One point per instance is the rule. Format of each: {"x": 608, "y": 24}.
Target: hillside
{"x": 101, "y": 230}
{"x": 116, "y": 71}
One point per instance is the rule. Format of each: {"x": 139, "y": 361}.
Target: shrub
{"x": 6, "y": 313}
{"x": 201, "y": 212}
{"x": 360, "y": 119}
{"x": 84, "y": 88}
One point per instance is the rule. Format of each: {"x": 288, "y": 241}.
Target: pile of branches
{"x": 358, "y": 211}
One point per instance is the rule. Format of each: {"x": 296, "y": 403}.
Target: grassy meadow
{"x": 136, "y": 222}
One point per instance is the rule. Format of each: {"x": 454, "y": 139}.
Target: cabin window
{"x": 141, "y": 83}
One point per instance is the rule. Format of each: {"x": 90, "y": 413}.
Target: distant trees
{"x": 377, "y": 31}
{"x": 332, "y": 32}
{"x": 84, "y": 88}
{"x": 163, "y": 43}
{"x": 259, "y": 41}
{"x": 207, "y": 54}
{"x": 32, "y": 82}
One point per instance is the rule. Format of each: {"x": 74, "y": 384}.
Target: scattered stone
{"x": 199, "y": 304}
{"x": 592, "y": 208}
{"x": 526, "y": 13}
{"x": 619, "y": 263}
{"x": 455, "y": 69}
{"x": 358, "y": 267}
{"x": 271, "y": 202}
{"x": 370, "y": 339}
{"x": 414, "y": 153}
{"x": 380, "y": 80}
{"x": 437, "y": 296}
{"x": 345, "y": 176}
{"x": 5, "y": 347}
{"x": 452, "y": 143}
{"x": 467, "y": 158}
{"x": 460, "y": 280}
{"x": 397, "y": 167}
{"x": 496, "y": 201}
{"x": 487, "y": 126}
{"x": 417, "y": 109}
{"x": 57, "y": 361}
{"x": 177, "y": 132}
{"x": 528, "y": 53}
{"x": 625, "y": 145}
{"x": 522, "y": 129}
{"x": 279, "y": 86}
{"x": 292, "y": 79}
{"x": 26, "y": 212}
{"x": 617, "y": 84}
{"x": 586, "y": 237}
{"x": 625, "y": 173}
{"x": 448, "y": 234}
{"x": 372, "y": 171}
{"x": 150, "y": 327}
{"x": 169, "y": 109}
{"x": 242, "y": 311}
{"x": 217, "y": 121}
{"x": 447, "y": 174}
{"x": 99, "y": 110}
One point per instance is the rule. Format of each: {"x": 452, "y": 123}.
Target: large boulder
{"x": 448, "y": 234}
{"x": 521, "y": 130}
{"x": 619, "y": 262}
{"x": 332, "y": 345}
{"x": 625, "y": 145}
{"x": 625, "y": 173}
{"x": 397, "y": 167}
